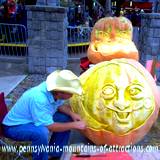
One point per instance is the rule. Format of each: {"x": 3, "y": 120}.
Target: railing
{"x": 78, "y": 41}
{"x": 13, "y": 40}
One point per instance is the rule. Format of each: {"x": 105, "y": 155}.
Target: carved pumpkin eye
{"x": 135, "y": 91}
{"x": 108, "y": 92}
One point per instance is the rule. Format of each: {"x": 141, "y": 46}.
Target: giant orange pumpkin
{"x": 120, "y": 102}
{"x": 111, "y": 38}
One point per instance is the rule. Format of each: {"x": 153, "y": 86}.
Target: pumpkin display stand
{"x": 120, "y": 100}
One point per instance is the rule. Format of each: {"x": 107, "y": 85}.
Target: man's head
{"x": 63, "y": 83}
{"x": 61, "y": 95}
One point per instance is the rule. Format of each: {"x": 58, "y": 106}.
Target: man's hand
{"x": 75, "y": 116}
{"x": 81, "y": 125}
{"x": 60, "y": 127}
{"x": 67, "y": 110}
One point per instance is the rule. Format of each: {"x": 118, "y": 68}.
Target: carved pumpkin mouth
{"x": 120, "y": 46}
{"x": 123, "y": 117}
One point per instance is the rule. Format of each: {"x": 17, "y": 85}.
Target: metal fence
{"x": 78, "y": 41}
{"x": 13, "y": 40}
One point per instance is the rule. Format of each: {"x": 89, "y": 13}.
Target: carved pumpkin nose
{"x": 120, "y": 103}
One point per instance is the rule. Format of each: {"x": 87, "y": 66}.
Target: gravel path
{"x": 30, "y": 81}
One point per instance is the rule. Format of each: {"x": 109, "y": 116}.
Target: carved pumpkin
{"x": 111, "y": 38}
{"x": 119, "y": 102}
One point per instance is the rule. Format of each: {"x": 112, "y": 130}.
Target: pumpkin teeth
{"x": 122, "y": 115}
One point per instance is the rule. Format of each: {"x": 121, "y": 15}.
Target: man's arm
{"x": 60, "y": 127}
{"x": 66, "y": 109}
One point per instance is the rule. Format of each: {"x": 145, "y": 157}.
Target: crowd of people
{"x": 13, "y": 12}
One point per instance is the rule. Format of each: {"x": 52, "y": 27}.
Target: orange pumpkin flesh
{"x": 111, "y": 38}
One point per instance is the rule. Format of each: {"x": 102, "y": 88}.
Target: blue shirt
{"x": 37, "y": 105}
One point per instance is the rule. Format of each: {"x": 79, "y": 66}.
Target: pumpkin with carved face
{"x": 119, "y": 102}
{"x": 111, "y": 38}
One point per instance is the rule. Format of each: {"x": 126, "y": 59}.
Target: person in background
{"x": 41, "y": 109}
{"x": 155, "y": 5}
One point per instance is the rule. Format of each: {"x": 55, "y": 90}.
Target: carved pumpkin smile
{"x": 123, "y": 117}
{"x": 114, "y": 48}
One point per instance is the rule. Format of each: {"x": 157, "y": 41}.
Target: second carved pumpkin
{"x": 111, "y": 38}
